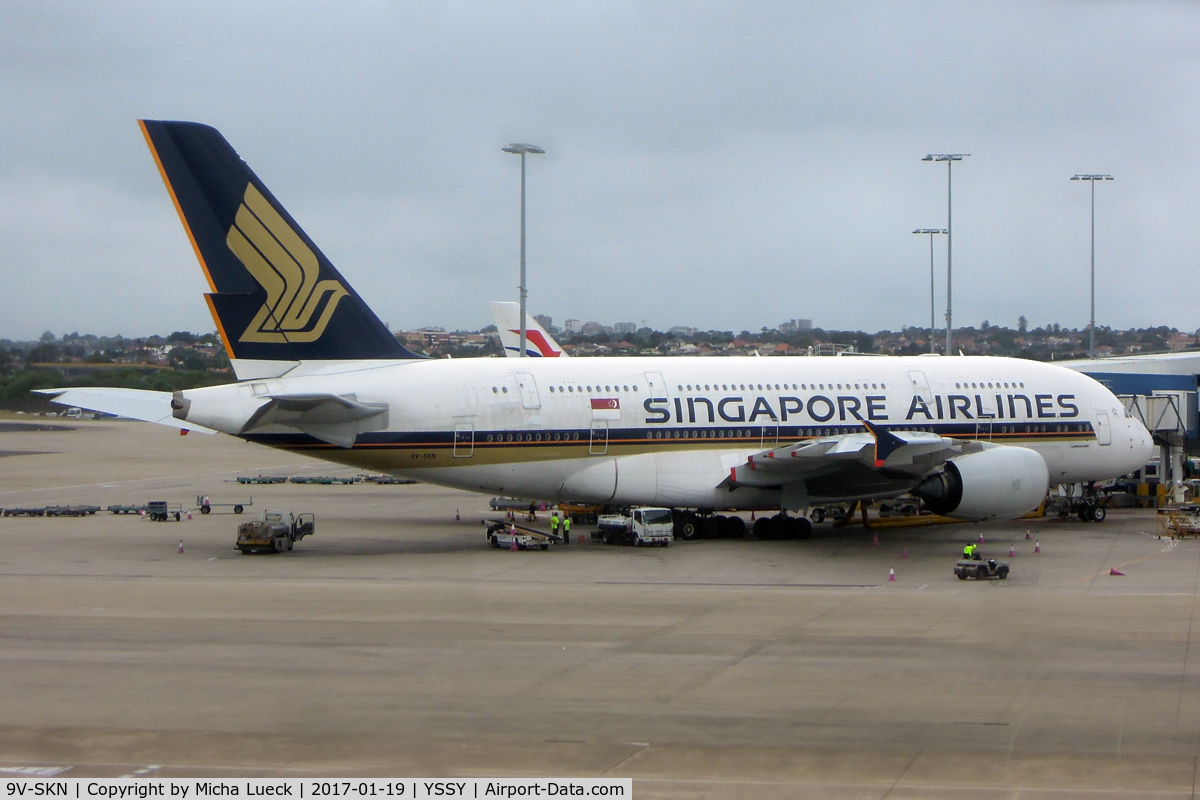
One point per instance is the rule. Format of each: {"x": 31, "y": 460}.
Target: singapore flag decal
{"x": 606, "y": 408}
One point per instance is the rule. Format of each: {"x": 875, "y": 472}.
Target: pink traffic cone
{"x": 1012, "y": 553}
{"x": 181, "y": 545}
{"x": 980, "y": 538}
{"x": 457, "y": 518}
{"x": 189, "y": 515}
{"x": 513, "y": 547}
{"x": 891, "y": 575}
{"x": 875, "y": 539}
{"x": 1037, "y": 546}
{"x": 1115, "y": 571}
{"x": 752, "y": 516}
{"x": 904, "y": 553}
{"x": 1027, "y": 536}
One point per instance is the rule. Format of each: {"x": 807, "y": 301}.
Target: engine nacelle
{"x": 1003, "y": 482}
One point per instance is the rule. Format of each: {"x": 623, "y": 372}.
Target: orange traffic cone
{"x": 891, "y": 575}
{"x": 181, "y": 545}
{"x": 1037, "y": 546}
{"x": 581, "y": 540}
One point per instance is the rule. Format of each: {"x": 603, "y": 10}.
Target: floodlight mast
{"x": 932, "y": 319}
{"x": 522, "y": 149}
{"x": 1092, "y": 318}
{"x": 949, "y": 158}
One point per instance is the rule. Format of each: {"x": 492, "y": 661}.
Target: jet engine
{"x": 1003, "y": 482}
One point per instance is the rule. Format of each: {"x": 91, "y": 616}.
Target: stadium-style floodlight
{"x": 1092, "y": 319}
{"x": 522, "y": 149}
{"x": 932, "y": 318}
{"x": 949, "y": 158}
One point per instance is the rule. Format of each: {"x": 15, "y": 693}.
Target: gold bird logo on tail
{"x": 287, "y": 269}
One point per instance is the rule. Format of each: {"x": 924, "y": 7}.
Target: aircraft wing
{"x": 877, "y": 461}
{"x": 139, "y": 404}
{"x": 336, "y": 419}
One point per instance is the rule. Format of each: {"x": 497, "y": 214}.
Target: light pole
{"x": 932, "y": 320}
{"x": 949, "y": 158}
{"x": 1092, "y": 321}
{"x": 522, "y": 149}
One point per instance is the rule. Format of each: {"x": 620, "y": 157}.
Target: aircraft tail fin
{"x": 538, "y": 341}
{"x": 274, "y": 295}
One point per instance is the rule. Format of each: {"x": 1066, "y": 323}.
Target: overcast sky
{"x": 723, "y": 165}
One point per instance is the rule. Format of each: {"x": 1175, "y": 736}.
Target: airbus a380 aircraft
{"x": 319, "y": 373}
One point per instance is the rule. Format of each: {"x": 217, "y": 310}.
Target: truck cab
{"x": 642, "y": 526}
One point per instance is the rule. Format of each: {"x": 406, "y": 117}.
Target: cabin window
{"x": 625, "y": 388}
{"x": 495, "y": 390}
{"x": 504, "y": 389}
{"x": 552, "y": 389}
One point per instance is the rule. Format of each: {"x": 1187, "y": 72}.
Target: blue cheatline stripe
{"x": 751, "y": 437}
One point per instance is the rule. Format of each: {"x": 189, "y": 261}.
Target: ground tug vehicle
{"x": 274, "y": 532}
{"x": 641, "y": 527}
{"x": 981, "y": 569}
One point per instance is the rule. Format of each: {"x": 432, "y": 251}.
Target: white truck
{"x": 640, "y": 527}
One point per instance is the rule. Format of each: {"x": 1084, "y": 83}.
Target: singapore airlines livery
{"x": 976, "y": 437}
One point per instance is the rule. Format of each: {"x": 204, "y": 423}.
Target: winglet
{"x": 886, "y": 442}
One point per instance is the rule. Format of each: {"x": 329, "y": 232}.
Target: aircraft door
{"x": 770, "y": 436}
{"x": 464, "y": 439}
{"x": 920, "y": 386}
{"x": 656, "y": 386}
{"x": 529, "y": 392}
{"x": 1103, "y": 430}
{"x": 598, "y": 444}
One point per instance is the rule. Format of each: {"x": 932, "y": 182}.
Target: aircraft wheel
{"x": 689, "y": 527}
{"x": 818, "y": 515}
{"x": 763, "y": 529}
{"x": 710, "y": 527}
{"x": 1099, "y": 513}
{"x": 205, "y": 509}
{"x": 801, "y": 528}
{"x": 237, "y": 509}
{"x": 735, "y": 527}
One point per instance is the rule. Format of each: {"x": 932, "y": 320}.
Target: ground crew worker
{"x": 554, "y": 524}
{"x": 567, "y": 529}
{"x": 969, "y": 551}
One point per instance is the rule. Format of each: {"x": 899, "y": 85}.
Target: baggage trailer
{"x": 161, "y": 511}
{"x": 206, "y": 506}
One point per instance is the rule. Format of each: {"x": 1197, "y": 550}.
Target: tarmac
{"x": 395, "y": 643}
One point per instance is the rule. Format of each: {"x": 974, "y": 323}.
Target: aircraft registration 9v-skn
{"x": 976, "y": 437}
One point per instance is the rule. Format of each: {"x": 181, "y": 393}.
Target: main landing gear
{"x": 781, "y": 526}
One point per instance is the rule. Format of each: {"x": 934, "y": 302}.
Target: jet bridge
{"x": 1171, "y": 417}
